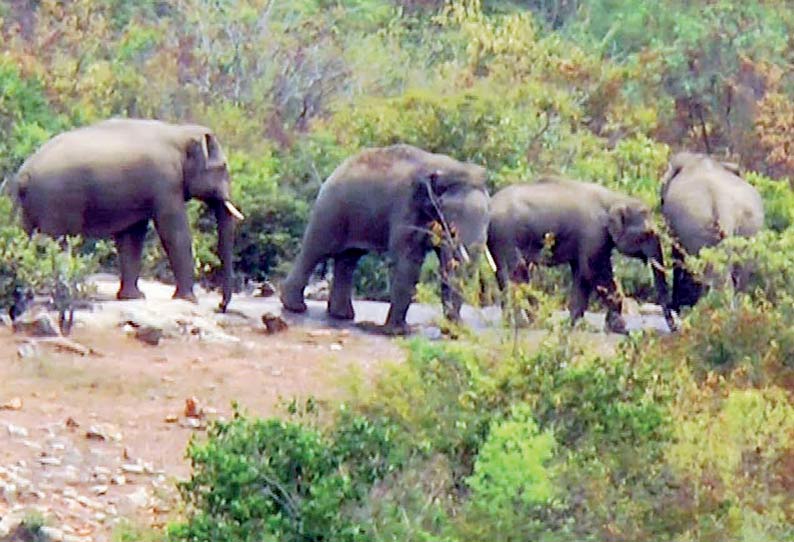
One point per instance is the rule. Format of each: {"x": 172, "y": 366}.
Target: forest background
{"x": 683, "y": 438}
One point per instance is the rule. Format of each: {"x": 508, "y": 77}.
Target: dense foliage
{"x": 593, "y": 89}
{"x": 685, "y": 438}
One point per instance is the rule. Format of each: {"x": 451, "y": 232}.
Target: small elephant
{"x": 704, "y": 201}
{"x": 579, "y": 224}
{"x": 111, "y": 178}
{"x": 388, "y": 200}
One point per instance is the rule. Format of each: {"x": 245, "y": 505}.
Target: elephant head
{"x": 632, "y": 229}
{"x": 453, "y": 200}
{"x": 206, "y": 177}
{"x": 455, "y": 197}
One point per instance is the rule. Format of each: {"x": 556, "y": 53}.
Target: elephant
{"x": 555, "y": 221}
{"x": 111, "y": 178}
{"x": 388, "y": 200}
{"x": 703, "y": 201}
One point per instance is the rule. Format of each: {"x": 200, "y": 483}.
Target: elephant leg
{"x": 172, "y": 227}
{"x": 607, "y": 289}
{"x": 404, "y": 277}
{"x": 582, "y": 288}
{"x": 340, "y": 303}
{"x": 129, "y": 244}
{"x": 292, "y": 287}
{"x": 451, "y": 297}
{"x": 686, "y": 289}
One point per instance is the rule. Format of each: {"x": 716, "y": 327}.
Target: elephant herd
{"x": 112, "y": 178}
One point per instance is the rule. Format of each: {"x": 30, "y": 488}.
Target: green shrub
{"x": 280, "y": 480}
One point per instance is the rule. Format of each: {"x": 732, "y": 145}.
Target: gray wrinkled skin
{"x": 383, "y": 200}
{"x": 111, "y": 178}
{"x": 704, "y": 201}
{"x": 580, "y": 223}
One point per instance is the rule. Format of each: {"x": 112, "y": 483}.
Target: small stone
{"x": 69, "y": 493}
{"x": 138, "y": 498}
{"x": 336, "y": 347}
{"x": 266, "y": 289}
{"x": 100, "y": 489}
{"x": 192, "y": 408}
{"x": 32, "y": 445}
{"x": 5, "y": 320}
{"x": 274, "y": 323}
{"x": 51, "y": 533}
{"x": 50, "y": 461}
{"x": 100, "y": 517}
{"x": 17, "y": 431}
{"x": 71, "y": 423}
{"x": 101, "y": 471}
{"x": 15, "y": 403}
{"x": 8, "y": 492}
{"x": 118, "y": 480}
{"x": 192, "y": 423}
{"x": 171, "y": 418}
{"x": 27, "y": 350}
{"x": 132, "y": 468}
{"x": 150, "y": 335}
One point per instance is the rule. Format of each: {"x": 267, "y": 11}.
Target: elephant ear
{"x": 203, "y": 152}
{"x": 428, "y": 187}
{"x": 616, "y": 221}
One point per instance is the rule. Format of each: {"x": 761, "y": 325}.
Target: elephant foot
{"x": 616, "y": 324}
{"x": 187, "y": 296}
{"x": 291, "y": 301}
{"x": 390, "y": 330}
{"x": 669, "y": 317}
{"x": 345, "y": 313}
{"x": 125, "y": 293}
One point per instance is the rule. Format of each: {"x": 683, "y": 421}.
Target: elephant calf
{"x": 583, "y": 222}
{"x": 386, "y": 200}
{"x": 703, "y": 201}
{"x": 112, "y": 178}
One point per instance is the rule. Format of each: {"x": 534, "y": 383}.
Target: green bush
{"x": 280, "y": 480}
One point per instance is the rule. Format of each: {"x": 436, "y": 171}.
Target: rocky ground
{"x": 94, "y": 428}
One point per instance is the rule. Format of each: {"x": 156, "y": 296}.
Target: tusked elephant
{"x": 703, "y": 201}
{"x": 556, "y": 221}
{"x": 111, "y": 178}
{"x": 387, "y": 200}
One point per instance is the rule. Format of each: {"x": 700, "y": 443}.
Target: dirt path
{"x": 98, "y": 438}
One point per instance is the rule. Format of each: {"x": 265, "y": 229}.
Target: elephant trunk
{"x": 655, "y": 259}
{"x": 225, "y": 219}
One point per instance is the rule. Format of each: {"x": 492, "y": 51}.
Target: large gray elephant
{"x": 110, "y": 179}
{"x": 556, "y": 221}
{"x": 386, "y": 200}
{"x": 703, "y": 201}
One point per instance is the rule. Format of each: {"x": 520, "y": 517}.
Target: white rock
{"x": 132, "y": 468}
{"x": 52, "y": 533}
{"x": 138, "y": 498}
{"x": 9, "y": 493}
{"x": 50, "y": 461}
{"x": 17, "y": 431}
{"x": 100, "y": 489}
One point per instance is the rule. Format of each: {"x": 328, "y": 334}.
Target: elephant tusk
{"x": 490, "y": 260}
{"x": 233, "y": 210}
{"x": 464, "y": 254}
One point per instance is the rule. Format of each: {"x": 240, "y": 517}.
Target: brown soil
{"x": 133, "y": 392}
